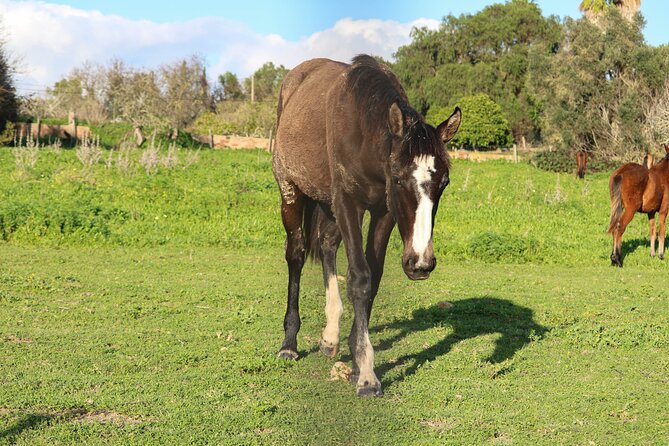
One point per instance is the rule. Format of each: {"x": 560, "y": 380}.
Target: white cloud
{"x": 52, "y": 39}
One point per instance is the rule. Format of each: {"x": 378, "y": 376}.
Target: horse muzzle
{"x": 417, "y": 268}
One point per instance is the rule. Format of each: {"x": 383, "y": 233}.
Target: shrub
{"x": 565, "y": 161}
{"x": 241, "y": 118}
{"x": 491, "y": 247}
{"x": 483, "y": 123}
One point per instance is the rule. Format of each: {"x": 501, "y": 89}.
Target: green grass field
{"x": 139, "y": 309}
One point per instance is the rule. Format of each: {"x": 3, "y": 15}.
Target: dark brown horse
{"x": 581, "y": 161}
{"x": 348, "y": 142}
{"x": 635, "y": 188}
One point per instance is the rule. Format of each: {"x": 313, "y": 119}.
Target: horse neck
{"x": 662, "y": 167}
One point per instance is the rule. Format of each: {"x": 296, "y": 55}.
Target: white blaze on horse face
{"x": 422, "y": 227}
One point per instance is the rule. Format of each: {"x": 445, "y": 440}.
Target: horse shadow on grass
{"x": 631, "y": 245}
{"x": 31, "y": 421}
{"x": 469, "y": 318}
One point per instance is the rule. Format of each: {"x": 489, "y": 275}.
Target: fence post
{"x": 515, "y": 154}
{"x": 73, "y": 125}
{"x": 211, "y": 139}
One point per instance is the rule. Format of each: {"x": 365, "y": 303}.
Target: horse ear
{"x": 396, "y": 121}
{"x": 449, "y": 127}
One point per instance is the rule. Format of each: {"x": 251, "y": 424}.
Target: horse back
{"x": 300, "y": 156}
{"x": 641, "y": 188}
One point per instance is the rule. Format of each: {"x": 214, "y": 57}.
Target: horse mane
{"x": 375, "y": 88}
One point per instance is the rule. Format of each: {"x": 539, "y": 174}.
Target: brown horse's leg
{"x": 651, "y": 223}
{"x": 663, "y": 227}
{"x": 358, "y": 288}
{"x": 380, "y": 227}
{"x": 616, "y": 256}
{"x": 292, "y": 206}
{"x": 329, "y": 241}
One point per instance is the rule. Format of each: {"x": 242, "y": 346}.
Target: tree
{"x": 594, "y": 90}
{"x": 82, "y": 92}
{"x": 185, "y": 95}
{"x": 595, "y": 8}
{"x": 8, "y": 99}
{"x": 483, "y": 126}
{"x": 228, "y": 88}
{"x": 266, "y": 82}
{"x": 487, "y": 52}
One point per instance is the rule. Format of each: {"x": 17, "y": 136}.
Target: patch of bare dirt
{"x": 17, "y": 340}
{"x": 104, "y": 416}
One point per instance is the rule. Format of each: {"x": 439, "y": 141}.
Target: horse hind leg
{"x": 663, "y": 227}
{"x": 292, "y": 208}
{"x": 651, "y": 224}
{"x": 625, "y": 219}
{"x": 329, "y": 241}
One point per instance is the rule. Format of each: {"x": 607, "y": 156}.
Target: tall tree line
{"x": 587, "y": 84}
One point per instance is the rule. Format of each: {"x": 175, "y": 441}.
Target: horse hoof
{"x": 329, "y": 350}
{"x": 661, "y": 256}
{"x": 368, "y": 390}
{"x": 288, "y": 355}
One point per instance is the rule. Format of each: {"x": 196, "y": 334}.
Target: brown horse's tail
{"x": 616, "y": 202}
{"x": 314, "y": 217}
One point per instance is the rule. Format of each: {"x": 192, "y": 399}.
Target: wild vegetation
{"x": 591, "y": 84}
{"x": 146, "y": 308}
{"x": 142, "y": 288}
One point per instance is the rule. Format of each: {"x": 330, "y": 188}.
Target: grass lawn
{"x": 124, "y": 328}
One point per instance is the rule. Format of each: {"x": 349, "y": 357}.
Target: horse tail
{"x": 314, "y": 217}
{"x": 616, "y": 202}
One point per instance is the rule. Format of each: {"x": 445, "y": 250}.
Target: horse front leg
{"x": 358, "y": 286}
{"x": 663, "y": 227}
{"x": 291, "y": 215}
{"x": 380, "y": 227}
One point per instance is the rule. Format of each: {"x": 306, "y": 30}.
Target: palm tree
{"x": 593, "y": 8}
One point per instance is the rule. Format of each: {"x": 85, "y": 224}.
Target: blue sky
{"x": 293, "y": 19}
{"x": 53, "y": 37}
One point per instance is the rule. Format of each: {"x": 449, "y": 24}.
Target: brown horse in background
{"x": 581, "y": 160}
{"x": 648, "y": 160}
{"x": 635, "y": 188}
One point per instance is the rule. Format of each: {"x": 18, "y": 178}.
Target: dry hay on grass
{"x": 17, "y": 340}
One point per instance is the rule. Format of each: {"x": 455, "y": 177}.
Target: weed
{"x": 89, "y": 152}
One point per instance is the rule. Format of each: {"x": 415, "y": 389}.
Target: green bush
{"x": 241, "y": 118}
{"x": 112, "y": 133}
{"x": 483, "y": 123}
{"x": 492, "y": 248}
{"x": 565, "y": 161}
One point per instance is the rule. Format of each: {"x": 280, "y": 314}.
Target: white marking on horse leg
{"x": 422, "y": 227}
{"x": 333, "y": 312}
{"x": 288, "y": 192}
{"x": 367, "y": 376}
